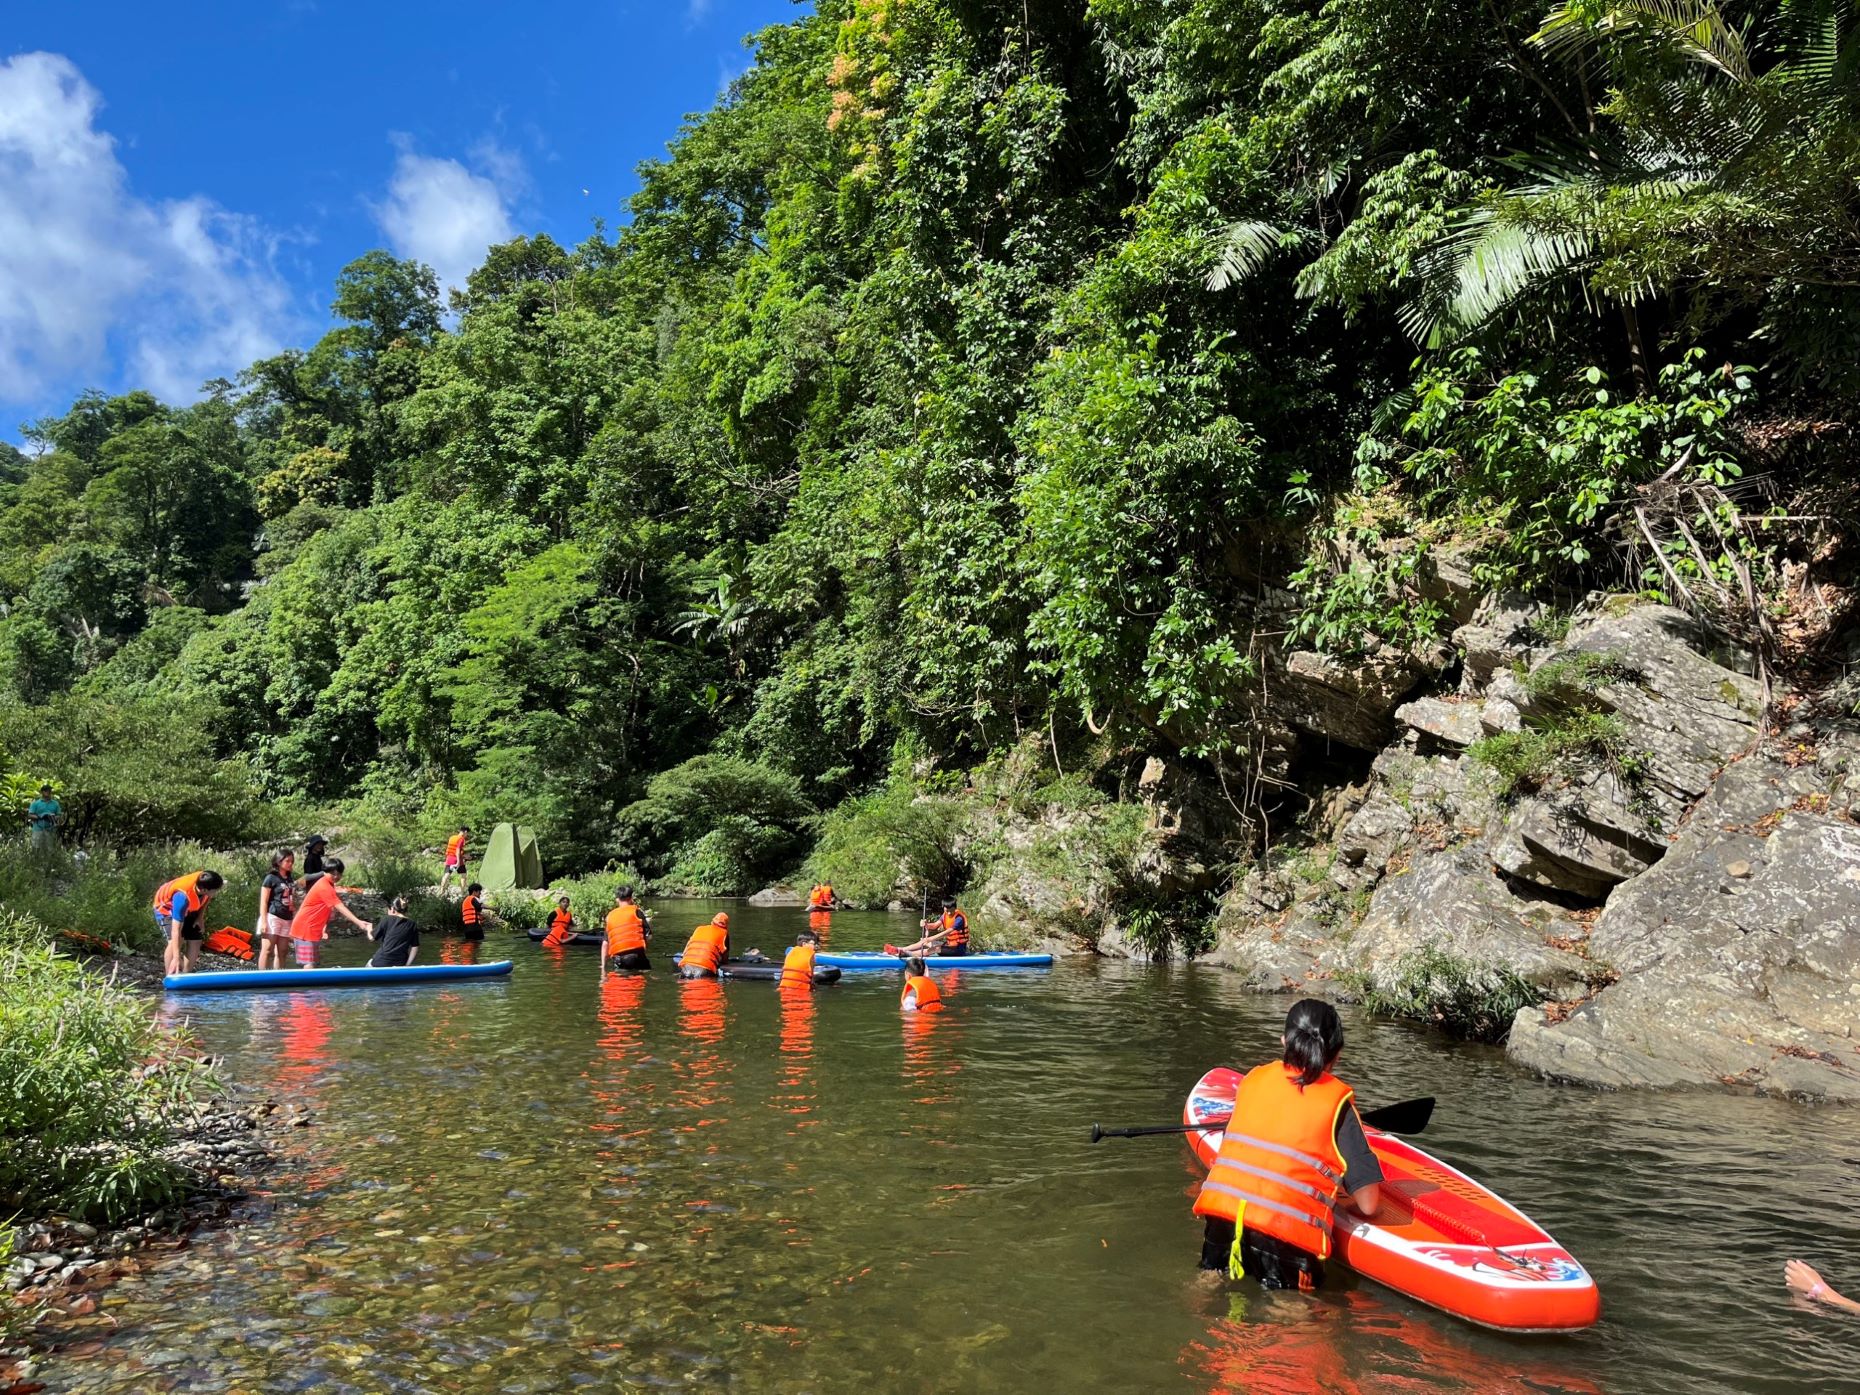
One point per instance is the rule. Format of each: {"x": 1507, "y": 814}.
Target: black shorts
{"x": 1274, "y": 1262}
{"x": 951, "y": 951}
{"x": 629, "y": 959}
{"x": 473, "y": 933}
{"x": 191, "y": 928}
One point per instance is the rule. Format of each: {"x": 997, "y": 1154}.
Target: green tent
{"x": 512, "y": 861}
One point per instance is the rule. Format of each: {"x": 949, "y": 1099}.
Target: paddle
{"x": 1405, "y": 1116}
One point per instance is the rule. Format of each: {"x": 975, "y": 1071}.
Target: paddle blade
{"x": 1404, "y": 1116}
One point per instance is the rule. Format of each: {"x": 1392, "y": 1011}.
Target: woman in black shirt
{"x": 398, "y": 938}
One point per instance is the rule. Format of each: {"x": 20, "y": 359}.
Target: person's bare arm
{"x": 355, "y": 919}
{"x": 1804, "y": 1280}
{"x": 1365, "y": 1200}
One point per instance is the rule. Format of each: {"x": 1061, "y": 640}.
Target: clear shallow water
{"x": 538, "y": 1184}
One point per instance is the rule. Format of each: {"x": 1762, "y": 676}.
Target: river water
{"x": 542, "y": 1184}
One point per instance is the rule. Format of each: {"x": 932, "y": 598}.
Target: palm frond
{"x": 1696, "y": 29}
{"x": 1246, "y": 247}
{"x": 1482, "y": 266}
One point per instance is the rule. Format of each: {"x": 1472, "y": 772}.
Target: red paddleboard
{"x": 1438, "y": 1236}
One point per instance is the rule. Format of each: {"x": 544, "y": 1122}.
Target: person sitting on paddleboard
{"x": 398, "y": 938}
{"x": 277, "y": 901}
{"x": 920, "y": 993}
{"x": 1294, "y": 1136}
{"x": 561, "y": 925}
{"x": 822, "y": 898}
{"x": 180, "y": 915}
{"x": 628, "y": 933}
{"x": 948, "y": 933}
{"x": 707, "y": 948}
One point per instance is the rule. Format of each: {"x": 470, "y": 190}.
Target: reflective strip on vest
{"x": 1294, "y": 1154}
{"x": 1323, "y": 1199}
{"x": 1251, "y": 1200}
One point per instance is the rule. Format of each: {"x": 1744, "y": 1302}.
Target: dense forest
{"x": 976, "y": 376}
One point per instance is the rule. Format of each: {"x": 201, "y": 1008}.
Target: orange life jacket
{"x": 957, "y": 923}
{"x": 470, "y": 911}
{"x": 626, "y": 929}
{"x": 821, "y": 895}
{"x": 928, "y": 997}
{"x": 561, "y": 927}
{"x": 228, "y": 940}
{"x": 455, "y": 848}
{"x": 188, "y": 886}
{"x": 1278, "y": 1168}
{"x": 797, "y": 967}
{"x": 704, "y": 950}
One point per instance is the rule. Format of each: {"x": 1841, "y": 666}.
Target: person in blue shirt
{"x": 44, "y": 815}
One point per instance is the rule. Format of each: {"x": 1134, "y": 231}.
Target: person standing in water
{"x": 707, "y": 948}
{"x": 797, "y": 966}
{"x": 309, "y": 925}
{"x": 628, "y": 932}
{"x": 472, "y": 913}
{"x": 920, "y": 992}
{"x": 277, "y": 903}
{"x": 455, "y": 859}
{"x": 1293, "y": 1138}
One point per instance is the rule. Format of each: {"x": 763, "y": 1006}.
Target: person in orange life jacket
{"x": 455, "y": 859}
{"x": 472, "y": 913}
{"x": 180, "y": 911}
{"x": 1293, "y": 1138}
{"x": 628, "y": 933}
{"x": 920, "y": 993}
{"x": 277, "y": 902}
{"x": 321, "y": 901}
{"x": 797, "y": 966}
{"x": 561, "y": 925}
{"x": 821, "y": 898}
{"x": 949, "y": 933}
{"x": 707, "y": 948}
{"x": 399, "y": 938}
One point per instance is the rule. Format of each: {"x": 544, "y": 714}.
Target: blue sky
{"x": 179, "y": 184}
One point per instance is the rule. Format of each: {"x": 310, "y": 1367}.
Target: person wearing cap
{"x": 707, "y": 948}
{"x": 44, "y": 815}
{"x": 315, "y": 869}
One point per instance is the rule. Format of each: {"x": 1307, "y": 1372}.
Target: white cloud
{"x": 697, "y": 11}
{"x": 98, "y": 283}
{"x": 439, "y": 212}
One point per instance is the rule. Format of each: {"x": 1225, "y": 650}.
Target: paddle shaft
{"x": 1406, "y": 1116}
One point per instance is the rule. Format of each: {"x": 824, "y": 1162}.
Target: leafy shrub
{"x": 90, "y": 1087}
{"x": 135, "y": 771}
{"x": 718, "y": 824}
{"x": 1432, "y": 985}
{"x": 867, "y": 846}
{"x": 1528, "y": 759}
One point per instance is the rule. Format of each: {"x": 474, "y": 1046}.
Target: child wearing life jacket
{"x": 707, "y": 948}
{"x": 180, "y": 916}
{"x": 920, "y": 993}
{"x": 797, "y": 966}
{"x": 946, "y": 934}
{"x": 1293, "y": 1139}
{"x": 561, "y": 926}
{"x": 628, "y": 932}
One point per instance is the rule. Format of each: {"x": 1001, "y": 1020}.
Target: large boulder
{"x": 1499, "y": 635}
{"x": 1684, "y": 707}
{"x": 1739, "y": 954}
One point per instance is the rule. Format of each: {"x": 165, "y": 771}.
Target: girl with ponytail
{"x": 1271, "y": 1195}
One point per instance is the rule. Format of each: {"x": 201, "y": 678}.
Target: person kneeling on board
{"x": 308, "y": 926}
{"x": 1294, "y": 1136}
{"x": 920, "y": 993}
{"x": 180, "y": 914}
{"x": 628, "y": 934}
{"x": 707, "y": 948}
{"x": 561, "y": 926}
{"x": 797, "y": 966}
{"x": 397, "y": 937}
